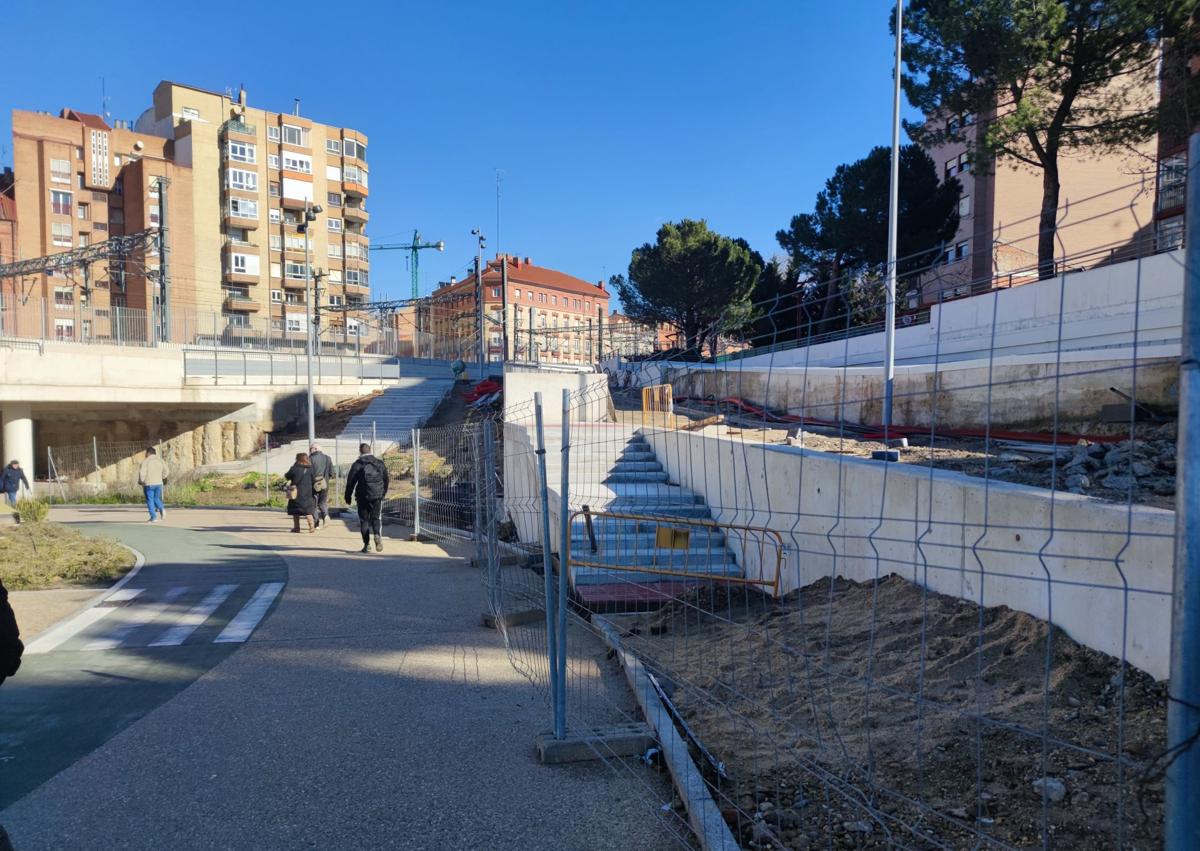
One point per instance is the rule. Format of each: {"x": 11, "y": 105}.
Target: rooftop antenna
{"x": 296, "y": 109}
{"x": 103, "y": 100}
{"x": 499, "y": 179}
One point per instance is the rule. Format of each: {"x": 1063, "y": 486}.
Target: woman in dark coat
{"x": 304, "y": 504}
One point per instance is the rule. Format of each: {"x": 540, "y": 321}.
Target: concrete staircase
{"x": 639, "y": 485}
{"x": 406, "y": 405}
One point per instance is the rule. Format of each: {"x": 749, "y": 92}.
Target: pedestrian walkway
{"x": 368, "y": 709}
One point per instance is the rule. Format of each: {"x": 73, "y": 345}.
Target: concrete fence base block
{"x": 600, "y": 743}
{"x": 492, "y": 621}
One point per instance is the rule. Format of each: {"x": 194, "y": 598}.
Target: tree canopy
{"x": 693, "y": 278}
{"x": 1040, "y": 77}
{"x": 832, "y": 248}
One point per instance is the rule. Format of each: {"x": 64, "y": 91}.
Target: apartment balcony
{"x": 230, "y": 276}
{"x": 354, "y": 190}
{"x": 236, "y": 246}
{"x": 235, "y": 127}
{"x": 236, "y": 221}
{"x": 240, "y": 303}
{"x": 1171, "y": 196}
{"x": 293, "y": 284}
{"x": 355, "y": 214}
{"x": 292, "y": 203}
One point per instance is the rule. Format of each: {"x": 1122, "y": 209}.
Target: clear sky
{"x": 606, "y": 119}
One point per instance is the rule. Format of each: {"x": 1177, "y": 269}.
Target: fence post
{"x": 267, "y": 469}
{"x": 95, "y": 454}
{"x": 1183, "y": 707}
{"x": 374, "y": 437}
{"x": 564, "y": 561}
{"x": 547, "y": 563}
{"x": 488, "y": 499}
{"x": 416, "y": 451}
{"x": 245, "y": 372}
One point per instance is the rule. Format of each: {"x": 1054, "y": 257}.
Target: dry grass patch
{"x": 50, "y": 555}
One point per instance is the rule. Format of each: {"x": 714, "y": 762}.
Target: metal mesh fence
{"x": 950, "y": 632}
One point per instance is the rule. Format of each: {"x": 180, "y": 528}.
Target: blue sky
{"x": 606, "y": 119}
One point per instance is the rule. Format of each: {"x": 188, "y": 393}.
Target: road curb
{"x": 138, "y": 561}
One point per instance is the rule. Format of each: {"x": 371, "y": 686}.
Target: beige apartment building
{"x": 238, "y": 181}
{"x": 1105, "y": 209}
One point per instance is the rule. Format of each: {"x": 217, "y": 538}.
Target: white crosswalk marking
{"x": 247, "y": 619}
{"x": 190, "y": 622}
{"x": 138, "y": 616}
{"x": 68, "y": 629}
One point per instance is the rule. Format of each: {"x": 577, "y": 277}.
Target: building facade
{"x": 544, "y": 315}
{"x": 230, "y": 182}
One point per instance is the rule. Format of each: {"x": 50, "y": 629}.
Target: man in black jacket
{"x": 368, "y": 484}
{"x": 322, "y": 473}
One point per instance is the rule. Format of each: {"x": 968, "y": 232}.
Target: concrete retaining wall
{"x": 1066, "y": 558}
{"x": 1021, "y": 391}
{"x": 520, "y": 385}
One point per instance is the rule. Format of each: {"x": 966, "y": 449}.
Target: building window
{"x": 84, "y": 240}
{"x": 335, "y": 301}
{"x": 351, "y": 148}
{"x": 1170, "y": 233}
{"x": 83, "y": 212}
{"x": 335, "y": 276}
{"x": 273, "y": 216}
{"x": 244, "y": 264}
{"x": 116, "y": 216}
{"x": 541, "y": 298}
{"x": 273, "y": 188}
{"x": 530, "y": 294}
{"x": 297, "y": 136}
{"x": 587, "y": 305}
{"x": 295, "y": 323}
{"x": 964, "y": 206}
{"x": 236, "y": 178}
{"x": 273, "y": 161}
{"x": 1172, "y": 181}
{"x": 357, "y": 277}
{"x": 243, "y": 152}
{"x": 64, "y": 298}
{"x": 64, "y": 329}
{"x": 333, "y": 173}
{"x": 334, "y": 224}
{"x": 276, "y": 242}
{"x": 961, "y": 250}
{"x": 495, "y": 292}
{"x": 191, "y": 112}
{"x": 60, "y": 234}
{"x": 333, "y": 146}
{"x": 554, "y": 300}
{"x": 60, "y": 171}
{"x": 243, "y": 208}
{"x": 295, "y": 271}
{"x": 334, "y": 199}
{"x": 297, "y": 162}
{"x": 335, "y": 250}
{"x": 293, "y": 298}
{"x": 517, "y": 293}
{"x": 294, "y": 243}
{"x": 60, "y": 202}
{"x": 354, "y": 174}
{"x": 276, "y": 270}
{"x": 273, "y": 134}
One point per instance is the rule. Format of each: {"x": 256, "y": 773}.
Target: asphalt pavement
{"x": 368, "y": 710}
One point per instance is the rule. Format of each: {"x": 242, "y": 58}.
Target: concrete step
{"x": 623, "y": 466}
{"x": 636, "y": 476}
{"x": 597, "y": 575}
{"x": 631, "y": 557}
{"x": 608, "y": 539}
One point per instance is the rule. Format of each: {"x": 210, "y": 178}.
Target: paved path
{"x": 369, "y": 710}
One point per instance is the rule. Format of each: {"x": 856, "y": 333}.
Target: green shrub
{"x": 32, "y": 510}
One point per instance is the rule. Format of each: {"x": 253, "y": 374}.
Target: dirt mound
{"x": 882, "y": 714}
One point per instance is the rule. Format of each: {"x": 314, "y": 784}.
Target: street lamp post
{"x": 310, "y": 216}
{"x": 479, "y": 299}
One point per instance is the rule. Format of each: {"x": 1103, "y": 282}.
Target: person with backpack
{"x": 322, "y": 473}
{"x": 367, "y": 483}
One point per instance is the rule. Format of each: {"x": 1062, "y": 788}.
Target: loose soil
{"x": 50, "y": 555}
{"x": 872, "y": 715}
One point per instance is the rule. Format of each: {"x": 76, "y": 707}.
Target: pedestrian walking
{"x": 322, "y": 471}
{"x": 302, "y": 501}
{"x": 367, "y": 483}
{"x": 152, "y": 473}
{"x": 13, "y": 478}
